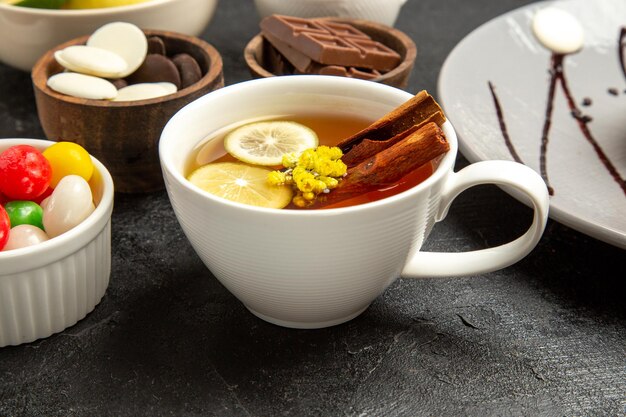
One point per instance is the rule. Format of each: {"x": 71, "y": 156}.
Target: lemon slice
{"x": 241, "y": 183}
{"x": 265, "y": 143}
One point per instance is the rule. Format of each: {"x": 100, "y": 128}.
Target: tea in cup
{"x": 318, "y": 268}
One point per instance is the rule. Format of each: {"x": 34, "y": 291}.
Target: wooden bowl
{"x": 124, "y": 136}
{"x": 257, "y": 57}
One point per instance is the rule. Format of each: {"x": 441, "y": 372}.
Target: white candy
{"x": 125, "y": 40}
{"x": 44, "y": 202}
{"x": 24, "y": 235}
{"x": 70, "y": 203}
{"x": 143, "y": 91}
{"x": 558, "y": 30}
{"x": 93, "y": 61}
{"x": 83, "y": 86}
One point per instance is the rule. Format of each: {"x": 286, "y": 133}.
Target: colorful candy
{"x": 25, "y": 235}
{"x": 70, "y": 204}
{"x": 57, "y": 179}
{"x": 24, "y": 212}
{"x": 67, "y": 158}
{"x": 5, "y": 226}
{"x": 24, "y": 172}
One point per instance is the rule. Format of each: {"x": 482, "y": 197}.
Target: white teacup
{"x": 382, "y": 11}
{"x": 318, "y": 268}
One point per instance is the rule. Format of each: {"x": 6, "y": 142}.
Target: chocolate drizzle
{"x": 555, "y": 69}
{"x": 557, "y": 76}
{"x": 582, "y": 124}
{"x": 503, "y": 129}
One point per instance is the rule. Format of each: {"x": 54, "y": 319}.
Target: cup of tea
{"x": 318, "y": 268}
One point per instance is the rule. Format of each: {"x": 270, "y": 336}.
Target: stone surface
{"x": 544, "y": 337}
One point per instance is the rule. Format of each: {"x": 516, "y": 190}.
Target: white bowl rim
{"x": 446, "y": 164}
{"x": 67, "y": 243}
{"x": 91, "y": 12}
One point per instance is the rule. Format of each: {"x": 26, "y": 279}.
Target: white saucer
{"x": 587, "y": 197}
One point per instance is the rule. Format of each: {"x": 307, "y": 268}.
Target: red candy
{"x": 24, "y": 173}
{"x": 5, "y": 225}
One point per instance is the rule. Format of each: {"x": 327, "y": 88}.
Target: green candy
{"x": 24, "y": 212}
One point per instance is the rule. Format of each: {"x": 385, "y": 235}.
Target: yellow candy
{"x": 67, "y": 158}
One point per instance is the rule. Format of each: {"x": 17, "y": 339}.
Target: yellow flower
{"x": 290, "y": 160}
{"x": 330, "y": 182}
{"x": 314, "y": 171}
{"x": 276, "y": 178}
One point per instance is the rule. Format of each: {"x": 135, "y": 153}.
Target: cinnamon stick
{"x": 389, "y": 165}
{"x": 367, "y": 147}
{"x": 413, "y": 112}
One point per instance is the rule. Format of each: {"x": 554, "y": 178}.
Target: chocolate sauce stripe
{"x": 582, "y": 124}
{"x": 503, "y": 128}
{"x": 557, "y": 75}
{"x": 556, "y": 66}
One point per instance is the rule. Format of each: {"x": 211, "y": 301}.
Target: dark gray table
{"x": 544, "y": 337}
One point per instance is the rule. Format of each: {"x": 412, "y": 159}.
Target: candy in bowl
{"x": 50, "y": 280}
{"x": 98, "y": 105}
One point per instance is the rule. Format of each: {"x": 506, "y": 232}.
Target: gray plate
{"x": 587, "y": 197}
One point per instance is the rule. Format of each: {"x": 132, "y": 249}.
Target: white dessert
{"x": 558, "y": 31}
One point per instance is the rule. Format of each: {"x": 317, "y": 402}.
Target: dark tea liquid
{"x": 330, "y": 130}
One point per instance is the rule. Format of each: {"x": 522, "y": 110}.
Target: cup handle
{"x": 508, "y": 173}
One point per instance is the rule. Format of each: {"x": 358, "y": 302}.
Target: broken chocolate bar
{"x": 305, "y": 65}
{"x": 330, "y": 43}
{"x": 299, "y": 60}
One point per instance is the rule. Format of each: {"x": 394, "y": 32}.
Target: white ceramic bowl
{"x": 382, "y": 11}
{"x": 50, "y": 286}
{"x": 27, "y": 33}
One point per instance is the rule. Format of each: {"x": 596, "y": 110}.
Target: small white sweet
{"x": 44, "y": 203}
{"x": 83, "y": 86}
{"x": 24, "y": 235}
{"x": 169, "y": 87}
{"x": 143, "y": 91}
{"x": 70, "y": 203}
{"x": 58, "y": 57}
{"x": 92, "y": 61}
{"x": 558, "y": 30}
{"x": 123, "y": 39}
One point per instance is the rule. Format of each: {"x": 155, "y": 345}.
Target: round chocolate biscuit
{"x": 156, "y": 45}
{"x": 156, "y": 68}
{"x": 188, "y": 68}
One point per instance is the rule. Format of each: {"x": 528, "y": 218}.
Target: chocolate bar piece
{"x": 331, "y": 43}
{"x": 305, "y": 65}
{"x": 275, "y": 60}
{"x": 300, "y": 61}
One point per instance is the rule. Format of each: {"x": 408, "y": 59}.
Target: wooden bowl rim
{"x": 40, "y": 79}
{"x": 411, "y": 49}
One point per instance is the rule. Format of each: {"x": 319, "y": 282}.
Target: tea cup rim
{"x": 445, "y": 165}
